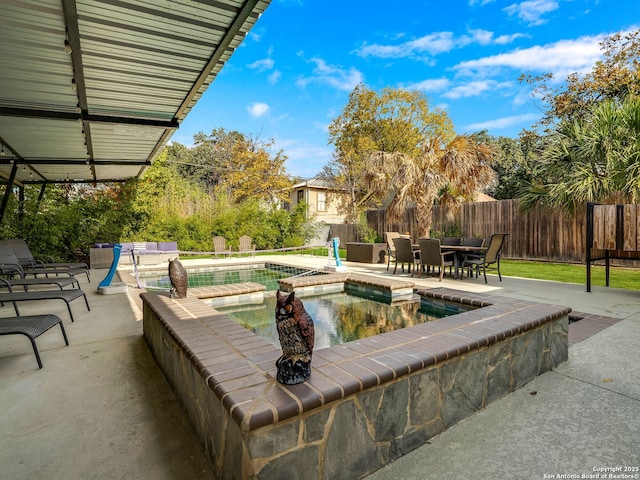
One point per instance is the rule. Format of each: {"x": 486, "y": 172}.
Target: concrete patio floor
{"x": 102, "y": 409}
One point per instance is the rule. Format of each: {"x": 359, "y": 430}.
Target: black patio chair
{"x": 31, "y": 326}
{"x": 67, "y": 296}
{"x": 14, "y": 274}
{"x": 471, "y": 242}
{"x": 450, "y": 241}
{"x": 455, "y": 241}
{"x": 490, "y": 259}
{"x": 431, "y": 255}
{"x": 391, "y": 248}
{"x": 19, "y": 249}
{"x": 404, "y": 253}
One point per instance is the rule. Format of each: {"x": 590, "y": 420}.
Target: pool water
{"x": 265, "y": 274}
{"x": 345, "y": 316}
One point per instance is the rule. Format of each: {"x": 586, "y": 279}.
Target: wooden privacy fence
{"x": 346, "y": 232}
{"x": 613, "y": 232}
{"x": 536, "y": 234}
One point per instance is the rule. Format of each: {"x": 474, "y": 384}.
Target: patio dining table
{"x": 460, "y": 252}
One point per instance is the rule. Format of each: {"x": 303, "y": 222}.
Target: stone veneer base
{"x": 367, "y": 402}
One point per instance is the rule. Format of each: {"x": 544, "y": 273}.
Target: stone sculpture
{"x": 178, "y": 277}
{"x": 297, "y": 336}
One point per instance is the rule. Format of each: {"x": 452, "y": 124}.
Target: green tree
{"x": 514, "y": 163}
{"x": 614, "y": 77}
{"x": 448, "y": 172}
{"x": 595, "y": 158}
{"x": 231, "y": 163}
{"x": 394, "y": 121}
{"x": 584, "y": 155}
{"x": 68, "y": 220}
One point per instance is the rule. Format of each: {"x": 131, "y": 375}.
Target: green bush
{"x": 162, "y": 206}
{"x": 450, "y": 230}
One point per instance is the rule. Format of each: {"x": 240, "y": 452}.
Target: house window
{"x": 322, "y": 201}
{"x": 300, "y": 196}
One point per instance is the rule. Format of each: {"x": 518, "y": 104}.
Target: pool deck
{"x": 100, "y": 408}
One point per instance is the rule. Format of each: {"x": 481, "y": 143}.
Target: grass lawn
{"x": 619, "y": 277}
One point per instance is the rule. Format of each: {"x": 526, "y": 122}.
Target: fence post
{"x": 589, "y": 243}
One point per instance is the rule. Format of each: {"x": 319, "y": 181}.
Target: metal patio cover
{"x": 90, "y": 90}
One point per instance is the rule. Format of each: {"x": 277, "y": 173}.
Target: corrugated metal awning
{"x": 90, "y": 90}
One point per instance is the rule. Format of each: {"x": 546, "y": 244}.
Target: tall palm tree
{"x": 443, "y": 172}
{"x": 592, "y": 159}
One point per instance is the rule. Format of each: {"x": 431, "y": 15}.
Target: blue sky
{"x": 293, "y": 73}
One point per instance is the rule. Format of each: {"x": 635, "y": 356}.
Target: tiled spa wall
{"x": 353, "y": 434}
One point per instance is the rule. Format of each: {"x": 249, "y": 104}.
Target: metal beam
{"x": 6, "y": 146}
{"x": 77, "y": 161}
{"x": 86, "y": 117}
{"x": 41, "y": 195}
{"x": 73, "y": 38}
{"x": 8, "y": 177}
{"x": 62, "y": 182}
{"x": 21, "y": 203}
{"x": 7, "y": 192}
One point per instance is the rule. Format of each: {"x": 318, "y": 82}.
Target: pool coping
{"x": 239, "y": 366}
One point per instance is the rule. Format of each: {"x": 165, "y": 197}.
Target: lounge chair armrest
{"x": 4, "y": 283}
{"x": 11, "y": 269}
{"x": 32, "y": 263}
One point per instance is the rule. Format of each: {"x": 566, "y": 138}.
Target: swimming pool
{"x": 265, "y": 273}
{"x": 342, "y": 317}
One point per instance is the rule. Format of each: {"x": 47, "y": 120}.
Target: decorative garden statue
{"x": 178, "y": 278}
{"x": 296, "y": 333}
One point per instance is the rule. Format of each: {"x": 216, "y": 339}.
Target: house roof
{"x": 90, "y": 91}
{"x": 483, "y": 197}
{"x": 316, "y": 183}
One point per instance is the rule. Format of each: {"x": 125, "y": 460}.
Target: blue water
{"x": 343, "y": 317}
{"x": 267, "y": 275}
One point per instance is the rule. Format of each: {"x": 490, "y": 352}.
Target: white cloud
{"x": 504, "y": 39}
{"x": 274, "y": 77}
{"x": 262, "y": 65}
{"x": 336, "y": 77}
{"x": 434, "y": 44}
{"x": 430, "y": 85}
{"x": 323, "y": 127}
{"x": 531, "y": 11}
{"x": 471, "y": 89}
{"x": 258, "y": 109}
{"x": 522, "y": 97}
{"x": 483, "y": 37}
{"x": 503, "y": 122}
{"x": 560, "y": 58}
{"x": 255, "y": 34}
{"x": 303, "y": 159}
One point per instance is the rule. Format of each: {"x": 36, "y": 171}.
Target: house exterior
{"x": 324, "y": 202}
